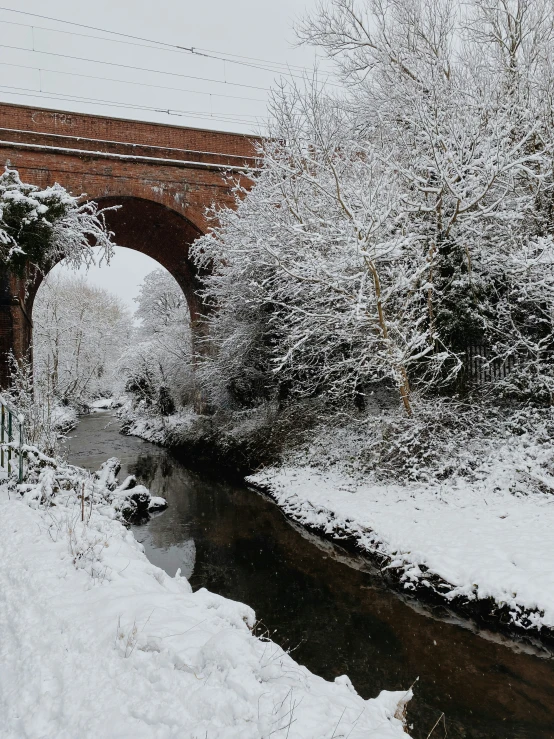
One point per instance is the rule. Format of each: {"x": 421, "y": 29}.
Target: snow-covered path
{"x": 98, "y": 642}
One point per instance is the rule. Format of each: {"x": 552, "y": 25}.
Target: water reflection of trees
{"x": 149, "y": 467}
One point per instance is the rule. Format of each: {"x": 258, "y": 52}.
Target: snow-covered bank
{"x": 204, "y": 440}
{"x": 98, "y": 642}
{"x": 102, "y": 404}
{"x": 64, "y": 418}
{"x": 150, "y": 426}
{"x": 485, "y": 547}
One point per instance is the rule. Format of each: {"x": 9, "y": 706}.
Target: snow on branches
{"x": 157, "y": 368}
{"x": 395, "y": 226}
{"x": 79, "y": 333}
{"x": 42, "y": 226}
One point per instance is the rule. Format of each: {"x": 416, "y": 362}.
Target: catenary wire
{"x": 231, "y": 58}
{"x": 130, "y": 66}
{"x": 151, "y": 44}
{"x": 155, "y": 48}
{"x": 169, "y": 111}
{"x": 177, "y": 49}
{"x": 129, "y": 82}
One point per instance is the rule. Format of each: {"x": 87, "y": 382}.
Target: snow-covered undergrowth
{"x": 50, "y": 482}
{"x": 237, "y": 443}
{"x": 147, "y": 424}
{"x": 98, "y": 642}
{"x": 481, "y": 536}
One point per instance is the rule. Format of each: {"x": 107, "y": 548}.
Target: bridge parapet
{"x": 109, "y": 131}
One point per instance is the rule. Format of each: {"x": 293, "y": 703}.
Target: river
{"x": 325, "y": 604}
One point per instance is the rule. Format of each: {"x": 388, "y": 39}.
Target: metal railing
{"x": 11, "y": 439}
{"x": 482, "y": 366}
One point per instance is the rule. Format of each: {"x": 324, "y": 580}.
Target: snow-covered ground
{"x": 488, "y": 537}
{"x": 98, "y": 642}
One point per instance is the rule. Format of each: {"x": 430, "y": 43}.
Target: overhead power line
{"x": 309, "y": 70}
{"x": 265, "y": 65}
{"x": 129, "y": 82}
{"x": 132, "y": 66}
{"x": 277, "y": 69}
{"x": 141, "y": 42}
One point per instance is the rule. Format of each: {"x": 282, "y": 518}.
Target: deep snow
{"x": 98, "y": 642}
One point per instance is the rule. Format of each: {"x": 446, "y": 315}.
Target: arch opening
{"x": 96, "y": 337}
{"x": 156, "y": 231}
{"x": 138, "y": 224}
{"x": 160, "y": 233}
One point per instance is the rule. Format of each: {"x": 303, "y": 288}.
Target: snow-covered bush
{"x": 303, "y": 266}
{"x": 444, "y": 438}
{"x": 50, "y": 481}
{"x": 394, "y": 228}
{"x": 37, "y": 404}
{"x": 41, "y": 226}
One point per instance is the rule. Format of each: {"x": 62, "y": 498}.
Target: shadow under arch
{"x": 160, "y": 233}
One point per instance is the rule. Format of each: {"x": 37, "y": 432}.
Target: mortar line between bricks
{"x": 124, "y": 157}
{"x": 125, "y": 143}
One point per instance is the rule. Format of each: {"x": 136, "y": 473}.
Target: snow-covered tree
{"x": 321, "y": 246}
{"x": 39, "y": 227}
{"x": 157, "y": 367}
{"x": 397, "y": 225}
{"x": 79, "y": 334}
{"x": 460, "y": 95}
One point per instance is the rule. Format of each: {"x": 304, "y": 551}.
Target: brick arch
{"x": 172, "y": 199}
{"x": 164, "y": 177}
{"x": 155, "y": 230}
{"x": 149, "y": 228}
{"x": 162, "y": 234}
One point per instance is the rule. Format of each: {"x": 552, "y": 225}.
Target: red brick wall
{"x": 119, "y": 129}
{"x": 185, "y": 189}
{"x": 188, "y": 184}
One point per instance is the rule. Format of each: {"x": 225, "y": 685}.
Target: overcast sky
{"x": 138, "y": 74}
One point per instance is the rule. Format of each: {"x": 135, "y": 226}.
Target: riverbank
{"x": 329, "y": 606}
{"x": 97, "y": 641}
{"x": 478, "y": 541}
{"x": 483, "y": 549}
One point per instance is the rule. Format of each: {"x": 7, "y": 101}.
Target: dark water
{"x": 326, "y": 604}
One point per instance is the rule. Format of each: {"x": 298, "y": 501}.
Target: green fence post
{"x": 9, "y": 439}
{"x": 20, "y": 450}
{"x": 2, "y": 436}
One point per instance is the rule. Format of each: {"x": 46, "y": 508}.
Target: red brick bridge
{"x": 163, "y": 176}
